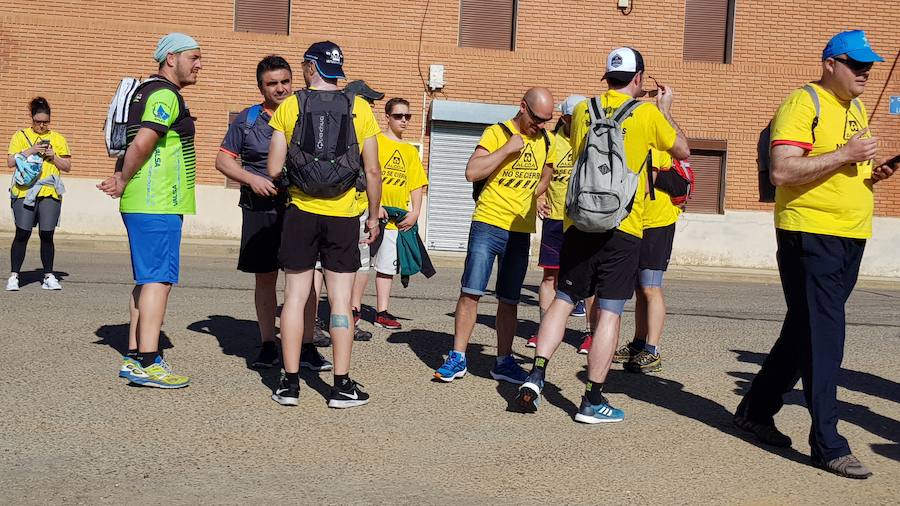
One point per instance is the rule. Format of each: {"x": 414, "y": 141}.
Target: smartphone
{"x": 45, "y": 142}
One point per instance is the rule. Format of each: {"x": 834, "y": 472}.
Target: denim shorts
{"x": 155, "y": 244}
{"x": 487, "y": 242}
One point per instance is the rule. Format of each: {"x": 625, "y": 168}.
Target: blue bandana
{"x": 174, "y": 43}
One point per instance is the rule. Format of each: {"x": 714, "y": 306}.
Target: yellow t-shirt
{"x": 401, "y": 173}
{"x": 563, "y": 161}
{"x": 842, "y": 203}
{"x": 645, "y": 129}
{"x": 344, "y": 205}
{"x": 508, "y": 199}
{"x": 19, "y": 143}
{"x": 660, "y": 212}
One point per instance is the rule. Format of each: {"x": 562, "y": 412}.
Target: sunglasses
{"x": 652, "y": 93}
{"x": 36, "y": 122}
{"x": 397, "y": 116}
{"x": 534, "y": 117}
{"x": 855, "y": 66}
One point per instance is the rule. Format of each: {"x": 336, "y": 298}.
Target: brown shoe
{"x": 847, "y": 466}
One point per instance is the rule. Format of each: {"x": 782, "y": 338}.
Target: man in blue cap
{"x": 824, "y": 163}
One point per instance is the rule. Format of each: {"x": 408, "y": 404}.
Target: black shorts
{"x": 307, "y": 237}
{"x": 260, "y": 240}
{"x": 602, "y": 264}
{"x": 656, "y": 248}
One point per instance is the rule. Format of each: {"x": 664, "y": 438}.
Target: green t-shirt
{"x": 165, "y": 183}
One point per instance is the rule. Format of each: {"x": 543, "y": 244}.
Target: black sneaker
{"x": 286, "y": 394}
{"x": 625, "y": 354}
{"x": 644, "y": 362}
{"x": 347, "y": 396}
{"x": 268, "y": 357}
{"x": 361, "y": 335}
{"x": 311, "y": 359}
{"x": 320, "y": 337}
{"x": 765, "y": 433}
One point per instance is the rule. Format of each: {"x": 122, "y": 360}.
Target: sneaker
{"x": 267, "y": 359}
{"x": 361, "y": 335}
{"x": 311, "y": 359}
{"x": 509, "y": 370}
{"x": 454, "y": 367}
{"x": 529, "y": 396}
{"x": 320, "y": 337}
{"x": 348, "y": 396}
{"x": 531, "y": 342}
{"x": 157, "y": 375}
{"x": 765, "y": 433}
{"x": 128, "y": 364}
{"x": 50, "y": 283}
{"x": 285, "y": 393}
{"x": 386, "y": 320}
{"x": 585, "y": 347}
{"x": 601, "y": 413}
{"x": 12, "y": 284}
{"x": 847, "y": 466}
{"x": 579, "y": 309}
{"x": 625, "y": 354}
{"x": 644, "y": 362}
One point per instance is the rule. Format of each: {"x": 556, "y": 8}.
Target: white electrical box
{"x": 436, "y": 77}
{"x": 623, "y": 4}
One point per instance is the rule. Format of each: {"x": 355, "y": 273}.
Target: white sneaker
{"x": 12, "y": 284}
{"x": 51, "y": 283}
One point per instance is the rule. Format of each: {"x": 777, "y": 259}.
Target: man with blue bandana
{"x": 155, "y": 180}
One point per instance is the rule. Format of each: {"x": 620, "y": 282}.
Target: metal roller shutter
{"x": 487, "y": 24}
{"x": 707, "y": 30}
{"x": 450, "y": 203}
{"x": 708, "y": 172}
{"x": 262, "y": 16}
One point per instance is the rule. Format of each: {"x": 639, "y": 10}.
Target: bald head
{"x": 535, "y": 110}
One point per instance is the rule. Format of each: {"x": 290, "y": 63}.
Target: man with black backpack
{"x": 612, "y": 136}
{"x": 509, "y": 169}
{"x": 327, "y": 138}
{"x": 242, "y": 157}
{"x": 824, "y": 163}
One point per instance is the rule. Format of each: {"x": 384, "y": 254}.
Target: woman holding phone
{"x": 37, "y": 202}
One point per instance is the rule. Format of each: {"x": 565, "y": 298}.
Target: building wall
{"x": 75, "y": 52}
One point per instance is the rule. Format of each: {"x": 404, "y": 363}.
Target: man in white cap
{"x": 160, "y": 135}
{"x": 605, "y": 264}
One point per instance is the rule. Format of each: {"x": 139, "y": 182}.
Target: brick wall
{"x": 74, "y": 53}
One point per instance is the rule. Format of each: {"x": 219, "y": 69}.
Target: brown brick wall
{"x": 74, "y": 53}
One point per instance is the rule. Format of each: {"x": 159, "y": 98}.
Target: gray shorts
{"x": 45, "y": 213}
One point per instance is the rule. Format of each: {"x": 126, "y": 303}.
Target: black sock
{"x": 594, "y": 393}
{"x": 268, "y": 345}
{"x": 147, "y": 358}
{"x": 341, "y": 379}
{"x": 540, "y": 365}
{"x": 132, "y": 353}
{"x": 293, "y": 378}
{"x": 305, "y": 348}
{"x": 638, "y": 344}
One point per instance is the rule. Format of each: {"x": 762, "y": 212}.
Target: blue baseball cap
{"x": 854, "y": 44}
{"x": 328, "y": 57}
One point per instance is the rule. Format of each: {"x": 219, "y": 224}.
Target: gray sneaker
{"x": 847, "y": 466}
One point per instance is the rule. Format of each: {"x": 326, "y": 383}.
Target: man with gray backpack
{"x": 612, "y": 136}
{"x": 326, "y": 137}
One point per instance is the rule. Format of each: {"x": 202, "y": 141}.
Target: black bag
{"x": 323, "y": 158}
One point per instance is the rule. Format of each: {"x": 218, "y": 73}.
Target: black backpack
{"x": 478, "y": 186}
{"x": 323, "y": 158}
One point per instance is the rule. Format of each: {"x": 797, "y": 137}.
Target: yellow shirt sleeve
{"x": 793, "y": 121}
{"x": 581, "y": 121}
{"x": 285, "y": 117}
{"x": 664, "y": 133}
{"x": 17, "y": 143}
{"x": 417, "y": 177}
{"x": 492, "y": 139}
{"x": 363, "y": 120}
{"x": 60, "y": 146}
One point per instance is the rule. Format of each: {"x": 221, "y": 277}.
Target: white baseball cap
{"x": 623, "y": 63}
{"x": 567, "y": 106}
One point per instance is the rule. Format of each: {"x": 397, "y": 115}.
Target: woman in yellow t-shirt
{"x": 37, "y": 202}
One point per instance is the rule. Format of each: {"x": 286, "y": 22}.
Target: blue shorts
{"x": 155, "y": 244}
{"x": 551, "y": 244}
{"x": 487, "y": 242}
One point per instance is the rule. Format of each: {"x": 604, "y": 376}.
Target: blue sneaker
{"x": 601, "y": 413}
{"x": 529, "y": 396}
{"x": 508, "y": 370}
{"x": 579, "y": 310}
{"x": 454, "y": 367}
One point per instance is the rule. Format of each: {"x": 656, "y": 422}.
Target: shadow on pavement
{"x": 431, "y": 348}
{"x": 116, "y": 337}
{"x": 237, "y": 338}
{"x": 857, "y": 414}
{"x": 37, "y": 277}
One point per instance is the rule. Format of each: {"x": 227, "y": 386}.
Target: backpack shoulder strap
{"x": 547, "y": 142}
{"x": 815, "y": 100}
{"x": 594, "y": 109}
{"x": 625, "y": 110}
{"x": 857, "y": 104}
{"x": 30, "y": 144}
{"x": 505, "y": 129}
{"x": 252, "y": 115}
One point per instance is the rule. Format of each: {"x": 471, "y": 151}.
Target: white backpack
{"x": 117, "y": 117}
{"x": 602, "y": 187}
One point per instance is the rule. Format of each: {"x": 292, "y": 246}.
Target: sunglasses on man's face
{"x": 398, "y": 116}
{"x": 534, "y": 117}
{"x": 855, "y": 66}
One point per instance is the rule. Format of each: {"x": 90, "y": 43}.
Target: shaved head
{"x": 535, "y": 110}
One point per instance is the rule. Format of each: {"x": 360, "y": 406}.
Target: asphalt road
{"x": 72, "y": 432}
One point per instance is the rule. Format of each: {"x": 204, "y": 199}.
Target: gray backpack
{"x": 323, "y": 158}
{"x": 602, "y": 187}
